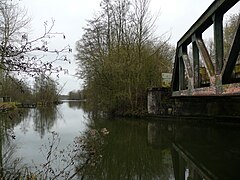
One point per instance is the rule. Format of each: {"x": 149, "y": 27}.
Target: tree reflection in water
{"x": 9, "y": 163}
{"x": 133, "y": 149}
{"x": 44, "y": 119}
{"x": 126, "y": 154}
{"x": 165, "y": 150}
{"x": 77, "y": 104}
{"x": 74, "y": 104}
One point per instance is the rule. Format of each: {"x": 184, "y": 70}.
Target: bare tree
{"x": 18, "y": 52}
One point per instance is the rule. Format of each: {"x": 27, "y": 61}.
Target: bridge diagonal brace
{"x": 232, "y": 56}
{"x": 187, "y": 65}
{"x": 188, "y": 76}
{"x": 189, "y": 69}
{"x": 207, "y": 60}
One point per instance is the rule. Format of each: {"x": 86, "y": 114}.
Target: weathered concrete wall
{"x": 159, "y": 103}
{"x": 208, "y": 106}
{"x": 153, "y": 100}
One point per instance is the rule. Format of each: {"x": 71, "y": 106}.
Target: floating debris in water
{"x": 11, "y": 133}
{"x": 104, "y": 131}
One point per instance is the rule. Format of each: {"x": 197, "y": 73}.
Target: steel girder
{"x": 186, "y": 79}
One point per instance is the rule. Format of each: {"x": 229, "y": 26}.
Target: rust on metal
{"x": 187, "y": 66}
{"x": 231, "y": 89}
{"x": 206, "y": 57}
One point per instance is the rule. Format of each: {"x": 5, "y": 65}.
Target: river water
{"x": 132, "y": 148}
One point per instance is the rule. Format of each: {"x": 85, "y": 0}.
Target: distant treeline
{"x": 44, "y": 90}
{"x": 77, "y": 95}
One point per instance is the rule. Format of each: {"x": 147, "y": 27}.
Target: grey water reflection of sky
{"x": 69, "y": 124}
{"x": 175, "y": 17}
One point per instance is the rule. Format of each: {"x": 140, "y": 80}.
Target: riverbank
{"x": 7, "y": 106}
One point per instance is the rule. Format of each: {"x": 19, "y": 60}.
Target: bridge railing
{"x": 188, "y": 74}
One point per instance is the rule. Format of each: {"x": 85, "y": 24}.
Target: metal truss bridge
{"x": 198, "y": 73}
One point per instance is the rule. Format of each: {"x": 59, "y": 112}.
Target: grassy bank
{"x": 5, "y": 106}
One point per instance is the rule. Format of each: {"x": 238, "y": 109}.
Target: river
{"x": 130, "y": 148}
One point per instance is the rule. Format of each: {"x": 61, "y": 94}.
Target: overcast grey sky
{"x": 175, "y": 18}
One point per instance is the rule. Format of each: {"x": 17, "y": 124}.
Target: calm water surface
{"x": 35, "y": 129}
{"x": 136, "y": 149}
